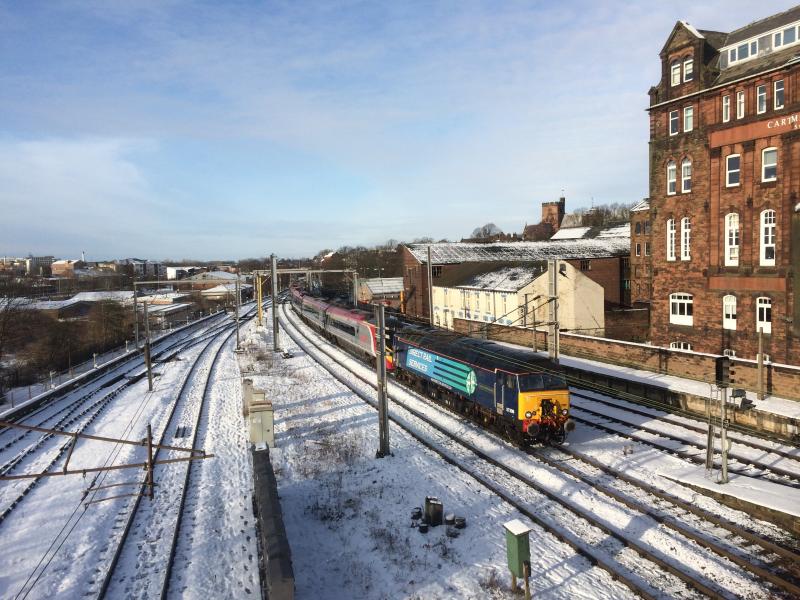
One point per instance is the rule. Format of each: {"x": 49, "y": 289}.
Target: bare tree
{"x": 13, "y": 300}
{"x": 486, "y": 231}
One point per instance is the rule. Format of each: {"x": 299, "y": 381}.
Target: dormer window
{"x": 743, "y": 51}
{"x": 675, "y": 73}
{"x": 688, "y": 69}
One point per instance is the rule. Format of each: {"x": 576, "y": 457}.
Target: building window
{"x": 586, "y": 265}
{"x": 626, "y": 284}
{"x": 732, "y": 240}
{"x": 726, "y": 109}
{"x": 671, "y": 177}
{"x": 768, "y": 227}
{"x": 764, "y": 315}
{"x": 778, "y": 95}
{"x": 729, "y": 312}
{"x": 675, "y": 73}
{"x": 638, "y": 249}
{"x": 436, "y": 271}
{"x": 688, "y": 69}
{"x": 732, "y": 168}
{"x": 680, "y": 346}
{"x": 673, "y": 122}
{"x": 686, "y": 176}
{"x": 686, "y": 233}
{"x": 647, "y": 248}
{"x": 647, "y": 227}
{"x": 769, "y": 164}
{"x": 670, "y": 239}
{"x": 681, "y": 309}
{"x": 789, "y": 36}
{"x": 761, "y": 99}
{"x": 638, "y": 228}
{"x": 740, "y": 104}
{"x": 688, "y": 118}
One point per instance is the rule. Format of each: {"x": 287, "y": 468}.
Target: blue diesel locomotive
{"x": 516, "y": 391}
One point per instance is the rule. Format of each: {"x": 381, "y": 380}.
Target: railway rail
{"x": 207, "y": 336}
{"x": 604, "y": 421}
{"x": 609, "y": 565}
{"x": 168, "y": 504}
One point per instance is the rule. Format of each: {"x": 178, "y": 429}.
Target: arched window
{"x": 681, "y": 309}
{"x": 670, "y": 239}
{"x": 732, "y": 240}
{"x": 675, "y": 73}
{"x": 768, "y": 237}
{"x": 729, "y": 312}
{"x": 686, "y": 176}
{"x": 686, "y": 234}
{"x": 764, "y": 314}
{"x": 671, "y": 177}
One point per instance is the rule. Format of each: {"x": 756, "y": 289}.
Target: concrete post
{"x": 383, "y": 408}
{"x": 274, "y": 276}
{"x": 430, "y": 287}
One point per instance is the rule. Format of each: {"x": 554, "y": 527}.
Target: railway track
{"x": 677, "y": 445}
{"x": 146, "y": 546}
{"x": 612, "y": 565}
{"x": 207, "y": 337}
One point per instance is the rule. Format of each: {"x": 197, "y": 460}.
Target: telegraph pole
{"x": 355, "y": 289}
{"x": 274, "y": 273}
{"x": 135, "y": 314}
{"x": 259, "y": 300}
{"x": 553, "y": 341}
{"x": 380, "y": 367}
{"x": 147, "y": 358}
{"x": 430, "y": 287}
{"x": 238, "y": 299}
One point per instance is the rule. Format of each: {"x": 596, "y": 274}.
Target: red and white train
{"x": 351, "y": 328}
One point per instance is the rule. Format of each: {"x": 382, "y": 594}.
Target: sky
{"x": 169, "y": 129}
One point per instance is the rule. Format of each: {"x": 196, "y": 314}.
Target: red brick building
{"x": 602, "y": 259}
{"x": 724, "y": 179}
{"x": 641, "y": 254}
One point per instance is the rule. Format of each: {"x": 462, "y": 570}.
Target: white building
{"x": 517, "y": 295}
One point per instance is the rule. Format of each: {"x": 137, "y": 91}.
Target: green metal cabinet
{"x": 518, "y": 548}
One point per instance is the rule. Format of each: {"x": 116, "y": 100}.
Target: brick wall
{"x": 608, "y": 273}
{"x": 781, "y": 380}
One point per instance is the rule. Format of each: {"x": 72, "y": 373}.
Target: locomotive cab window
{"x": 541, "y": 381}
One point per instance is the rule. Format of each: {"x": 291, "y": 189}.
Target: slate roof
{"x": 643, "y": 205}
{"x": 507, "y": 279}
{"x": 763, "y": 25}
{"x": 381, "y": 286}
{"x": 457, "y": 252}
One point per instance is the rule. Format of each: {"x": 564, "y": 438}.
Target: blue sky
{"x": 172, "y": 129}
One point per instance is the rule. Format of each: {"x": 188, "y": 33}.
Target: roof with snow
{"x": 444, "y": 253}
{"x": 213, "y": 275}
{"x": 380, "y": 286}
{"x": 618, "y": 231}
{"x": 225, "y": 288}
{"x": 507, "y": 279}
{"x": 570, "y": 233}
{"x": 118, "y": 296}
{"x": 641, "y": 206}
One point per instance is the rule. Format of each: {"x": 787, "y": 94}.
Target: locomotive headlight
{"x": 564, "y": 412}
{"x": 528, "y": 415}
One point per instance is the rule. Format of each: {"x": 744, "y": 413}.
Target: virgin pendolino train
{"x": 512, "y": 390}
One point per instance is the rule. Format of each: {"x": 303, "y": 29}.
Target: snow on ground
{"x": 50, "y": 527}
{"x": 636, "y": 526}
{"x": 347, "y": 513}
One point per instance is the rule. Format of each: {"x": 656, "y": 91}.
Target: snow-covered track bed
{"x": 762, "y": 443}
{"x": 686, "y": 443}
{"x": 141, "y": 564}
{"x": 633, "y": 547}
